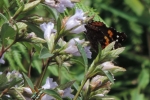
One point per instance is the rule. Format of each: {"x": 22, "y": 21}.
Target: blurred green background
{"x": 133, "y": 18}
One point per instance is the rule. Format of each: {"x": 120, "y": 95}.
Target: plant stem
{"x": 43, "y": 74}
{"x": 59, "y": 74}
{"x": 80, "y": 88}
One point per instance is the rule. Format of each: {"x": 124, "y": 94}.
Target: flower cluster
{"x": 66, "y": 93}
{"x": 61, "y": 45}
{"x": 74, "y": 24}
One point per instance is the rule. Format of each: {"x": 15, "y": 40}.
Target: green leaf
{"x": 10, "y": 60}
{"x": 110, "y": 76}
{"x": 116, "y": 52}
{"x": 29, "y": 82}
{"x": 66, "y": 85}
{"x": 144, "y": 78}
{"x": 52, "y": 93}
{"x": 81, "y": 50}
{"x": 53, "y": 69}
{"x": 78, "y": 62}
{"x": 35, "y": 29}
{"x": 45, "y": 53}
{"x": 59, "y": 24}
{"x": 31, "y": 5}
{"x": 116, "y": 69}
{"x": 3, "y": 19}
{"x": 17, "y": 59}
{"x": 109, "y": 47}
{"x": 51, "y": 11}
{"x": 7, "y": 32}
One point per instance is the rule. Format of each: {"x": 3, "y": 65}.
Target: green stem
{"x": 80, "y": 88}
{"x": 43, "y": 74}
{"x": 59, "y": 74}
{"x": 86, "y": 68}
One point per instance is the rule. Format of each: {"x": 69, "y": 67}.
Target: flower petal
{"x": 49, "y": 84}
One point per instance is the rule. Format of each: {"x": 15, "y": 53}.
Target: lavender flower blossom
{"x": 66, "y": 93}
{"x": 48, "y": 30}
{"x": 59, "y": 5}
{"x": 75, "y": 23}
{"x": 72, "y": 48}
{"x": 49, "y": 85}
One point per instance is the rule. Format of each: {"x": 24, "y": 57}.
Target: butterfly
{"x": 97, "y": 32}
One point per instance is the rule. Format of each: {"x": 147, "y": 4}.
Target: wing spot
{"x": 110, "y": 33}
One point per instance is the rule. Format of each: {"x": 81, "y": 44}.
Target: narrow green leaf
{"x": 144, "y": 78}
{"x": 3, "y": 19}
{"x": 81, "y": 50}
{"x": 66, "y": 85}
{"x": 45, "y": 53}
{"x": 52, "y": 93}
{"x": 58, "y": 24}
{"x": 31, "y": 5}
{"x": 109, "y": 47}
{"x": 116, "y": 52}
{"x": 29, "y": 82}
{"x": 78, "y": 62}
{"x": 110, "y": 76}
{"x": 17, "y": 59}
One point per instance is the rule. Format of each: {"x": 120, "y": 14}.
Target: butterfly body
{"x": 97, "y": 32}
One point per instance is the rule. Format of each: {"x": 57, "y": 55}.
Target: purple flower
{"x": 75, "y": 23}
{"x": 48, "y": 30}
{"x": 66, "y": 93}
{"x": 59, "y": 5}
{"x": 72, "y": 48}
{"x": 49, "y": 84}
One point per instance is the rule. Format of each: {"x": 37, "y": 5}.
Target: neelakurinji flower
{"x": 59, "y": 5}
{"x": 48, "y": 29}
{"x": 49, "y": 34}
{"x": 72, "y": 48}
{"x": 49, "y": 85}
{"x": 66, "y": 93}
{"x": 52, "y": 85}
{"x": 75, "y": 23}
